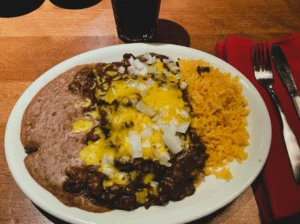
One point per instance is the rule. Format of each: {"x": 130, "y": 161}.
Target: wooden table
{"x": 33, "y": 43}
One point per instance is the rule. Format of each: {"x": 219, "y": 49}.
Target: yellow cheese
{"x": 153, "y": 190}
{"x": 148, "y": 178}
{"x": 166, "y": 102}
{"x": 93, "y": 152}
{"x": 118, "y": 90}
{"x": 85, "y": 103}
{"x": 133, "y": 175}
{"x": 107, "y": 183}
{"x": 82, "y": 126}
{"x": 94, "y": 113}
{"x": 111, "y": 73}
{"x": 120, "y": 178}
{"x": 159, "y": 66}
{"x": 148, "y": 153}
{"x": 160, "y": 98}
{"x": 141, "y": 196}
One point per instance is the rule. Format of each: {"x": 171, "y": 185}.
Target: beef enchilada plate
{"x": 132, "y": 131}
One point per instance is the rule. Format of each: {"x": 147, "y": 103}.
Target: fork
{"x": 261, "y": 60}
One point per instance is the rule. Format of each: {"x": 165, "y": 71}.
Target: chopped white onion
{"x": 155, "y": 127}
{"x": 138, "y": 64}
{"x": 108, "y": 171}
{"x": 146, "y": 145}
{"x": 145, "y": 109}
{"x": 183, "y": 85}
{"x": 165, "y": 163}
{"x": 178, "y": 76}
{"x": 174, "y": 68}
{"x": 152, "y": 69}
{"x": 174, "y": 122}
{"x": 164, "y": 113}
{"x": 153, "y": 59}
{"x": 136, "y": 71}
{"x": 164, "y": 127}
{"x": 153, "y": 184}
{"x": 144, "y": 93}
{"x": 141, "y": 86}
{"x": 184, "y": 114}
{"x": 135, "y": 144}
{"x": 149, "y": 83}
{"x": 161, "y": 156}
{"x": 107, "y": 160}
{"x": 182, "y": 128}
{"x": 147, "y": 56}
{"x": 131, "y": 61}
{"x": 167, "y": 73}
{"x": 156, "y": 118}
{"x": 173, "y": 142}
{"x": 121, "y": 70}
{"x": 131, "y": 69}
{"x": 132, "y": 83}
{"x": 158, "y": 60}
{"x": 142, "y": 72}
{"x": 166, "y": 61}
{"x": 146, "y": 133}
{"x": 165, "y": 156}
{"x": 159, "y": 122}
{"x": 149, "y": 61}
{"x": 157, "y": 145}
{"x": 171, "y": 128}
{"x": 156, "y": 154}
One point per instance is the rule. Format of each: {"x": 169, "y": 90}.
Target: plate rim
{"x": 60, "y": 65}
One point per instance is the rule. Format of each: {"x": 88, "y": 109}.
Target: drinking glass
{"x": 136, "y": 20}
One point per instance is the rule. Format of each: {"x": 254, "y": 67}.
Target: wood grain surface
{"x": 33, "y": 43}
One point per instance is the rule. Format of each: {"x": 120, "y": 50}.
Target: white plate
{"x": 210, "y": 196}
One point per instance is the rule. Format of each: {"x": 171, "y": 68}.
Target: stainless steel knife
{"x": 285, "y": 73}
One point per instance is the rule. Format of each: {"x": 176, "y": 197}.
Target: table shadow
{"x": 172, "y": 33}
{"x": 50, "y": 217}
{"x": 169, "y": 32}
{"x": 75, "y": 4}
{"x": 15, "y": 8}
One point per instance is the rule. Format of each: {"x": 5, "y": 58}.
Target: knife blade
{"x": 285, "y": 73}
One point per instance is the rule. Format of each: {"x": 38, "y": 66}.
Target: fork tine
{"x": 255, "y": 57}
{"x": 263, "y": 56}
{"x": 268, "y": 58}
{"x": 258, "y": 55}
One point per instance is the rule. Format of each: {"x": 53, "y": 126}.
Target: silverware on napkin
{"x": 261, "y": 60}
{"x": 285, "y": 73}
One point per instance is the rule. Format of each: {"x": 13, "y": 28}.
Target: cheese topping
{"x": 146, "y": 115}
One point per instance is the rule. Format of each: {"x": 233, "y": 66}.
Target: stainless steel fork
{"x": 263, "y": 73}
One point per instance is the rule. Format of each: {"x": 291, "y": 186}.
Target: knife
{"x": 285, "y": 73}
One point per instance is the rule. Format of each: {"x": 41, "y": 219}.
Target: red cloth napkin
{"x": 277, "y": 195}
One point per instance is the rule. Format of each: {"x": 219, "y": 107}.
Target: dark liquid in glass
{"x": 136, "y": 20}
{"x": 75, "y": 4}
{"x": 14, "y": 8}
